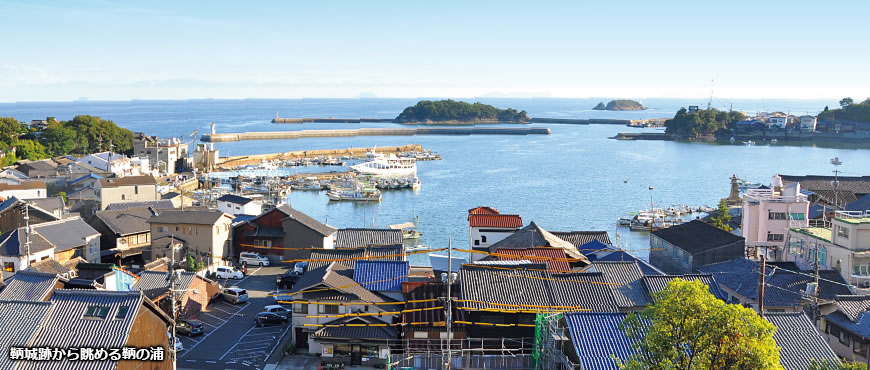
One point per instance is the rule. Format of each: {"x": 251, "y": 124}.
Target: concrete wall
{"x": 131, "y": 193}
{"x": 200, "y": 240}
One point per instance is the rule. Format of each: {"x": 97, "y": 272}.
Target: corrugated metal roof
{"x": 357, "y": 332}
{"x": 501, "y": 221}
{"x": 588, "y": 291}
{"x": 28, "y": 285}
{"x": 552, "y": 253}
{"x": 22, "y": 320}
{"x": 156, "y": 283}
{"x": 629, "y": 291}
{"x": 351, "y": 255}
{"x": 657, "y": 283}
{"x": 355, "y": 237}
{"x": 799, "y": 341}
{"x": 503, "y": 287}
{"x": 67, "y": 233}
{"x": 67, "y": 327}
{"x": 384, "y": 276}
{"x": 578, "y": 238}
{"x": 597, "y": 338}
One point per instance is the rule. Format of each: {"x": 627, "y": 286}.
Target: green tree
{"x": 451, "y": 110}
{"x": 60, "y": 140}
{"x": 845, "y": 102}
{"x": 29, "y": 149}
{"x": 689, "y": 328}
{"x": 722, "y": 219}
{"x": 845, "y": 365}
{"x": 703, "y": 122}
{"x": 96, "y": 134}
{"x": 191, "y": 263}
{"x": 10, "y": 129}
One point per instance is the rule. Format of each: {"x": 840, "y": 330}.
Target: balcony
{"x": 767, "y": 195}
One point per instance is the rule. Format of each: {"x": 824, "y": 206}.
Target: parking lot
{"x": 231, "y": 338}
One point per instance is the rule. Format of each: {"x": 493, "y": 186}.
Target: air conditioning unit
{"x": 865, "y": 284}
{"x": 811, "y": 289}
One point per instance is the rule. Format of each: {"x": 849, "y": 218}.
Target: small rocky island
{"x": 620, "y": 104}
{"x": 451, "y": 112}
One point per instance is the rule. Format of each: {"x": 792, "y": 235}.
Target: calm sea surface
{"x": 575, "y": 179}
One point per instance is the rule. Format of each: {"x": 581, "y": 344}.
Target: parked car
{"x": 190, "y": 328}
{"x": 287, "y": 280}
{"x": 300, "y": 267}
{"x": 268, "y": 318}
{"x": 253, "y": 259}
{"x": 228, "y": 273}
{"x": 178, "y": 345}
{"x": 277, "y": 309}
{"x": 235, "y": 295}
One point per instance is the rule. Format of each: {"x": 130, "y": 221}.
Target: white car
{"x": 253, "y": 259}
{"x": 235, "y": 295}
{"x": 277, "y": 309}
{"x": 228, "y": 273}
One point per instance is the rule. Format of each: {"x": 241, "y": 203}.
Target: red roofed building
{"x": 555, "y": 258}
{"x": 487, "y": 226}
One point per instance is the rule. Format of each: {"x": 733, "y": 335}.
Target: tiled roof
{"x": 50, "y": 266}
{"x": 381, "y": 275}
{"x": 597, "y": 338}
{"x": 512, "y": 263}
{"x": 483, "y": 211}
{"x": 67, "y": 233}
{"x": 533, "y": 236}
{"x": 854, "y": 184}
{"x": 50, "y": 204}
{"x": 351, "y": 238}
{"x": 156, "y": 283}
{"x": 623, "y": 256}
{"x": 28, "y": 285}
{"x": 13, "y": 243}
{"x": 12, "y": 202}
{"x": 335, "y": 277}
{"x": 657, "y": 283}
{"x": 503, "y": 287}
{"x": 114, "y": 182}
{"x": 30, "y": 185}
{"x": 306, "y": 220}
{"x": 66, "y": 326}
{"x": 154, "y": 204}
{"x": 799, "y": 341}
{"x": 501, "y": 221}
{"x": 85, "y": 177}
{"x": 589, "y": 291}
{"x": 235, "y": 199}
{"x": 357, "y": 332}
{"x": 553, "y": 264}
{"x": 22, "y": 320}
{"x": 697, "y": 236}
{"x": 126, "y": 221}
{"x": 578, "y": 238}
{"x": 196, "y": 217}
{"x": 853, "y": 305}
{"x": 628, "y": 289}
{"x": 350, "y": 256}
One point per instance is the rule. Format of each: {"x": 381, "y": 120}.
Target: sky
{"x": 103, "y": 50}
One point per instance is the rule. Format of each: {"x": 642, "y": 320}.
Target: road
{"x": 231, "y": 339}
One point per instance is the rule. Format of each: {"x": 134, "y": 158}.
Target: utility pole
{"x": 816, "y": 290}
{"x": 836, "y": 184}
{"x": 173, "y": 302}
{"x": 761, "y": 285}
{"x": 449, "y": 301}
{"x": 27, "y": 230}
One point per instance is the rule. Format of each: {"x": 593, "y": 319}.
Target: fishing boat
{"x": 415, "y": 183}
{"x": 389, "y": 165}
{"x": 773, "y": 141}
{"x": 836, "y": 161}
{"x": 440, "y": 262}
{"x": 310, "y": 183}
{"x": 408, "y": 230}
{"x": 417, "y": 248}
{"x": 365, "y": 195}
{"x": 748, "y": 142}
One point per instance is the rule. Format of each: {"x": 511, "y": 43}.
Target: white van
{"x": 253, "y": 259}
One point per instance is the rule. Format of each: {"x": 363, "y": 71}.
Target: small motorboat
{"x": 836, "y": 161}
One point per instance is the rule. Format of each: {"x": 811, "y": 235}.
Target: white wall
{"x": 24, "y": 193}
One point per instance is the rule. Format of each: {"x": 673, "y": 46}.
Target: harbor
{"x": 402, "y": 131}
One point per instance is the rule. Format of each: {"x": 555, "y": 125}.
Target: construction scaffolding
{"x": 467, "y": 353}
{"x": 553, "y": 343}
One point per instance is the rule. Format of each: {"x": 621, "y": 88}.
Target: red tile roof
{"x": 552, "y": 265}
{"x": 505, "y": 221}
{"x": 483, "y": 211}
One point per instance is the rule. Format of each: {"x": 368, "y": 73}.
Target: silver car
{"x": 235, "y": 295}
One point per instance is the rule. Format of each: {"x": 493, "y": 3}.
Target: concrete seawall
{"x": 242, "y": 160}
{"x": 331, "y": 120}
{"x": 271, "y": 135}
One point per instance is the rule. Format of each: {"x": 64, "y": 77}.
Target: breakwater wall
{"x": 331, "y": 120}
{"x": 271, "y": 135}
{"x": 574, "y": 121}
{"x": 643, "y": 136}
{"x": 243, "y": 160}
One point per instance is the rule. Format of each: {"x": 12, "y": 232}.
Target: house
{"x": 681, "y": 249}
{"x": 16, "y": 254}
{"x": 808, "y": 123}
{"x": 282, "y": 233}
{"x": 860, "y": 205}
{"x": 423, "y": 298}
{"x": 117, "y": 164}
{"x": 750, "y": 125}
{"x": 768, "y": 214}
{"x": 72, "y": 237}
{"x": 12, "y": 211}
{"x": 165, "y": 156}
{"x": 53, "y": 205}
{"x": 74, "y": 318}
{"x": 534, "y": 236}
{"x": 38, "y": 124}
{"x": 85, "y": 181}
{"x": 237, "y": 205}
{"x": 779, "y": 121}
{"x": 362, "y": 237}
{"x": 625, "y": 280}
{"x": 786, "y": 285}
{"x": 194, "y": 296}
{"x": 126, "y": 189}
{"x": 10, "y": 175}
{"x": 840, "y": 244}
{"x": 384, "y": 277}
{"x": 66, "y": 270}
{"x": 25, "y": 190}
{"x": 125, "y": 234}
{"x": 845, "y": 324}
{"x": 487, "y": 226}
{"x": 28, "y": 285}
{"x": 38, "y": 169}
{"x": 348, "y": 257}
{"x": 203, "y": 234}
{"x": 313, "y": 310}
{"x": 823, "y": 189}
{"x": 110, "y": 276}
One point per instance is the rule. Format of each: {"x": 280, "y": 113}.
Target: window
{"x": 97, "y": 312}
{"x": 843, "y": 232}
{"x": 797, "y": 216}
{"x": 676, "y": 252}
{"x": 476, "y": 242}
{"x": 686, "y": 258}
{"x": 136, "y": 189}
{"x": 823, "y": 256}
{"x": 9, "y": 266}
{"x": 775, "y": 237}
{"x": 122, "y": 312}
{"x": 123, "y": 197}
{"x": 328, "y": 309}
{"x": 162, "y": 229}
{"x": 776, "y": 215}
{"x": 421, "y": 334}
{"x": 300, "y": 308}
{"x": 483, "y": 238}
{"x": 263, "y": 243}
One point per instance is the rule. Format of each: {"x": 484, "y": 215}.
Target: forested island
{"x": 702, "y": 124}
{"x": 849, "y": 111}
{"x": 81, "y": 135}
{"x": 620, "y": 104}
{"x": 456, "y": 112}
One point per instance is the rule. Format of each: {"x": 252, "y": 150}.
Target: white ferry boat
{"x": 390, "y": 165}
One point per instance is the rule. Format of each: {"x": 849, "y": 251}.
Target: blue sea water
{"x": 574, "y": 179}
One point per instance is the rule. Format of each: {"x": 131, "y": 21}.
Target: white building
{"x": 486, "y": 226}
{"x": 808, "y": 123}
{"x": 768, "y": 214}
{"x": 25, "y": 190}
{"x": 843, "y": 244}
{"x": 237, "y": 205}
{"x": 778, "y": 121}
{"x": 118, "y": 164}
{"x": 165, "y": 156}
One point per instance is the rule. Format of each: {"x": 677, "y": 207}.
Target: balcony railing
{"x": 758, "y": 195}
{"x": 853, "y": 214}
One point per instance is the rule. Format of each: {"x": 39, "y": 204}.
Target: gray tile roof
{"x": 66, "y": 234}
{"x": 195, "y": 217}
{"x": 22, "y": 319}
{"x": 579, "y": 238}
{"x": 13, "y": 243}
{"x": 235, "y": 199}
{"x": 50, "y": 204}
{"x": 155, "y": 204}
{"x": 853, "y": 305}
{"x": 126, "y": 221}
{"x": 357, "y": 332}
{"x": 533, "y": 236}
{"x": 156, "y": 283}
{"x": 511, "y": 287}
{"x": 28, "y": 285}
{"x": 114, "y": 182}
{"x": 589, "y": 291}
{"x": 12, "y": 202}
{"x": 306, "y": 220}
{"x": 697, "y": 236}
{"x": 351, "y": 255}
{"x": 351, "y": 238}
{"x": 335, "y": 277}
{"x": 657, "y": 283}
{"x": 628, "y": 277}
{"x": 66, "y": 326}
{"x": 50, "y": 266}
{"x": 799, "y": 341}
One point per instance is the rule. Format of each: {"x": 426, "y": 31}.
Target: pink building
{"x": 768, "y": 214}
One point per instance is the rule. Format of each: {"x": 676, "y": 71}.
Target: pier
{"x": 271, "y": 135}
{"x": 243, "y": 160}
{"x": 331, "y": 120}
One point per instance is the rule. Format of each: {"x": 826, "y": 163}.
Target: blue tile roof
{"x": 799, "y": 341}
{"x": 85, "y": 177}
{"x": 597, "y": 337}
{"x": 381, "y": 275}
{"x": 623, "y": 256}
